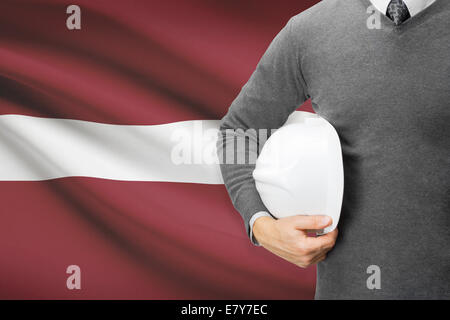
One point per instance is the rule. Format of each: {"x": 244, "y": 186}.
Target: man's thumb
{"x": 312, "y": 222}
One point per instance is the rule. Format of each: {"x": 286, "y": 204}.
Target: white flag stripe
{"x": 33, "y": 149}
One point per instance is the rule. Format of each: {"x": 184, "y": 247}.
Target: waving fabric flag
{"x": 88, "y": 123}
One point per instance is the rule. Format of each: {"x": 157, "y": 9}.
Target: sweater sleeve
{"x": 275, "y": 90}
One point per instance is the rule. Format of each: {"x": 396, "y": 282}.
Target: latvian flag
{"x": 108, "y": 112}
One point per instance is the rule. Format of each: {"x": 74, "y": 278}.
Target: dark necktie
{"x": 398, "y": 12}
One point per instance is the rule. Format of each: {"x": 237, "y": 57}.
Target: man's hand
{"x": 288, "y": 238}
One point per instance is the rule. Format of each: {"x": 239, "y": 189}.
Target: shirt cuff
{"x": 252, "y": 221}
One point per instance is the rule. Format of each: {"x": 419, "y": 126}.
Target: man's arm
{"x": 275, "y": 90}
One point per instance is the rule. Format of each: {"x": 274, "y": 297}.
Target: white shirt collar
{"x": 414, "y": 6}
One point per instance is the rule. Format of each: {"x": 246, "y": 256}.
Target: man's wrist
{"x": 260, "y": 227}
{"x": 255, "y": 217}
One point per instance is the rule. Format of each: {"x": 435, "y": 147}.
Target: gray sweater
{"x": 386, "y": 91}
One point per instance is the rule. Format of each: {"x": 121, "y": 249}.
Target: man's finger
{"x": 311, "y": 222}
{"x": 324, "y": 242}
{"x": 319, "y": 259}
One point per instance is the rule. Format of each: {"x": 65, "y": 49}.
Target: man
{"x": 386, "y": 91}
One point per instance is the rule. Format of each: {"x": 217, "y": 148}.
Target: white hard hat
{"x": 300, "y": 171}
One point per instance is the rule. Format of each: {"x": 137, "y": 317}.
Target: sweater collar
{"x": 414, "y": 6}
